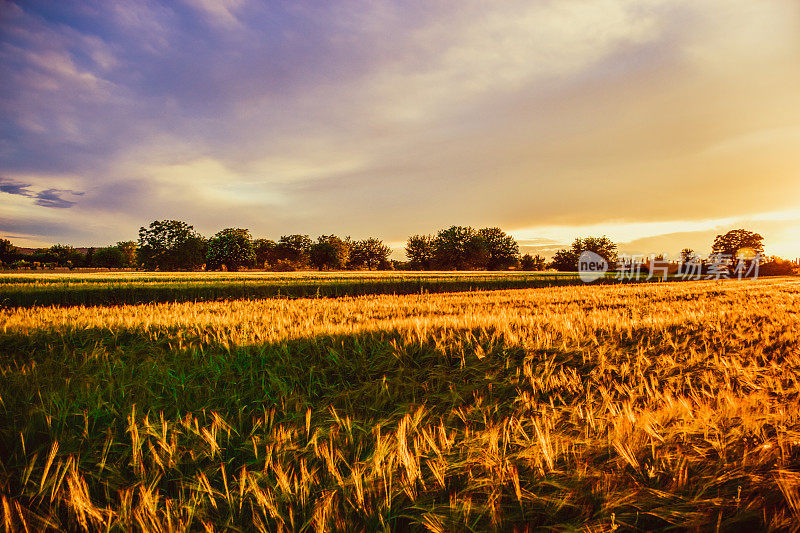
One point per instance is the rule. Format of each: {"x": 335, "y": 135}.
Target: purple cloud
{"x": 13, "y": 187}
{"x": 45, "y": 198}
{"x": 393, "y": 117}
{"x": 52, "y": 198}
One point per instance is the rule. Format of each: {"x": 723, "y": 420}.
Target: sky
{"x": 660, "y": 123}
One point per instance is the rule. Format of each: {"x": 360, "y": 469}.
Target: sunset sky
{"x": 657, "y": 123}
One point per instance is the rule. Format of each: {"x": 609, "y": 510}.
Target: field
{"x": 611, "y": 407}
{"x": 121, "y": 288}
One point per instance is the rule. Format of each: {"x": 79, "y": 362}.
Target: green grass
{"x": 29, "y": 290}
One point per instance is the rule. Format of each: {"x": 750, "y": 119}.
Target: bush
{"x": 777, "y": 267}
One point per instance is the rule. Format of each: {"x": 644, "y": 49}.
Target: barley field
{"x": 126, "y": 288}
{"x": 597, "y": 408}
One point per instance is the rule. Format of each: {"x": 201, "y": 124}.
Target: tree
{"x": 8, "y": 252}
{"x": 108, "y": 257}
{"x": 265, "y": 251}
{"x": 191, "y": 254}
{"x": 738, "y": 243}
{"x": 455, "y": 248}
{"x": 231, "y": 247}
{"x": 294, "y": 249}
{"x": 171, "y": 245}
{"x": 567, "y": 258}
{"x": 419, "y": 250}
{"x": 121, "y": 255}
{"x": 128, "y": 251}
{"x": 529, "y": 262}
{"x": 370, "y": 253}
{"x": 501, "y": 249}
{"x": 775, "y": 266}
{"x": 687, "y": 254}
{"x": 330, "y": 252}
{"x": 65, "y": 255}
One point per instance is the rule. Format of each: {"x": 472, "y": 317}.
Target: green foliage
{"x": 369, "y": 253}
{"x": 420, "y": 251}
{"x": 329, "y": 252}
{"x": 231, "y": 248}
{"x": 736, "y": 241}
{"x": 64, "y": 256}
{"x": 171, "y": 245}
{"x": 118, "y": 289}
{"x": 122, "y": 255}
{"x": 108, "y": 257}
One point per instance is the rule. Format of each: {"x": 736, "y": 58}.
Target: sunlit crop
{"x": 602, "y": 407}
{"x": 119, "y": 288}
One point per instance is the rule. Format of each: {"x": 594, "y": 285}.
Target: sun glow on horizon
{"x": 650, "y": 122}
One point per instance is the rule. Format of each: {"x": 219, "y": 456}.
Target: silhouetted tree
{"x": 529, "y": 262}
{"x": 419, "y": 250}
{"x": 330, "y": 252}
{"x": 526, "y": 263}
{"x": 775, "y": 266}
{"x": 501, "y": 250}
{"x": 171, "y": 245}
{"x": 567, "y": 258}
{"x": 738, "y": 241}
{"x": 8, "y": 252}
{"x": 231, "y": 247}
{"x": 370, "y": 253}
{"x": 455, "y": 248}
{"x": 687, "y": 254}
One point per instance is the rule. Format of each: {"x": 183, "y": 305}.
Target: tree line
{"x": 172, "y": 245}
{"x": 121, "y": 255}
{"x": 168, "y": 245}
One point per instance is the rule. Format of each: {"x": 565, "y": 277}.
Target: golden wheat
{"x": 635, "y": 406}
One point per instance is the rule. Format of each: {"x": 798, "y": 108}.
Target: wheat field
{"x": 598, "y": 408}
{"x": 42, "y": 289}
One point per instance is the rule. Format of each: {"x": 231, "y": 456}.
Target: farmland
{"x": 118, "y": 288}
{"x": 633, "y": 407}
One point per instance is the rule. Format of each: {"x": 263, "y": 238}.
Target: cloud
{"x": 45, "y": 198}
{"x": 219, "y": 12}
{"x": 52, "y": 198}
{"x": 13, "y": 187}
{"x": 389, "y": 118}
